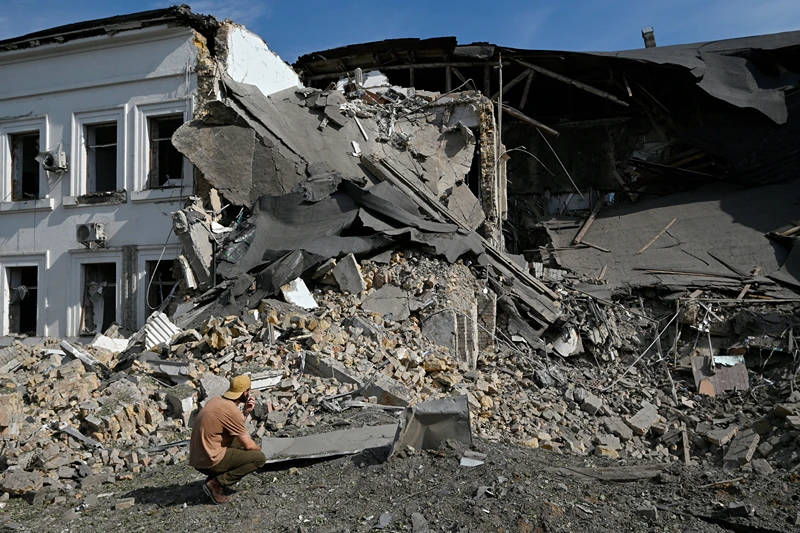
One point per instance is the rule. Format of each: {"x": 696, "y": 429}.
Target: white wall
{"x": 251, "y": 61}
{"x": 130, "y": 73}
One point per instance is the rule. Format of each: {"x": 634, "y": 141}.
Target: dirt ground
{"x": 517, "y": 489}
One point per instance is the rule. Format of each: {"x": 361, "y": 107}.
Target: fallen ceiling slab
{"x": 332, "y": 444}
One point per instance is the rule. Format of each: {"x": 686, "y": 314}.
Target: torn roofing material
{"x": 734, "y": 71}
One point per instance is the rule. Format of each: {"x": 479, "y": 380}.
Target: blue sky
{"x": 293, "y": 28}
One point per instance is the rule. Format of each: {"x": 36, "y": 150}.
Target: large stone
{"x": 21, "y": 482}
{"x": 743, "y": 447}
{"x": 212, "y": 385}
{"x": 181, "y": 399}
{"x": 390, "y": 302}
{"x": 348, "y": 275}
{"x": 592, "y": 404}
{"x": 641, "y": 422}
{"x": 617, "y": 427}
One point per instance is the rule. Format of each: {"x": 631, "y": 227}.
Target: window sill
{"x": 161, "y": 195}
{"x": 27, "y": 206}
{"x": 88, "y": 200}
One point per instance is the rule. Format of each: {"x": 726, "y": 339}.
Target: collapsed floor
{"x": 347, "y": 251}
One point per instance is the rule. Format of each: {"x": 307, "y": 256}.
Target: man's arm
{"x": 247, "y": 442}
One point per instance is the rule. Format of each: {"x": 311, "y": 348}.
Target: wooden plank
{"x": 448, "y": 78}
{"x": 511, "y": 84}
{"x": 487, "y": 80}
{"x": 519, "y": 115}
{"x": 574, "y": 83}
{"x": 615, "y": 473}
{"x": 687, "y": 459}
{"x": 588, "y": 224}
{"x": 654, "y": 239}
{"x": 748, "y": 285}
{"x": 603, "y": 272}
{"x": 596, "y": 247}
{"x": 526, "y": 90}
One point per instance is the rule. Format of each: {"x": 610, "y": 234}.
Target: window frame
{"x": 40, "y": 261}
{"x": 143, "y": 113}
{"x": 79, "y": 185}
{"x": 76, "y": 282}
{"x": 17, "y": 127}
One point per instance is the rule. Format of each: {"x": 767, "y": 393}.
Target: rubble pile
{"x": 336, "y": 290}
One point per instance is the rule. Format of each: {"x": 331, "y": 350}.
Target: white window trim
{"x": 76, "y": 282}
{"x": 7, "y": 129}
{"x": 78, "y": 183}
{"x": 145, "y": 254}
{"x": 141, "y": 150}
{"x": 41, "y": 262}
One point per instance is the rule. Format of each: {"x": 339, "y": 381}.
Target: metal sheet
{"x": 724, "y": 378}
{"x": 428, "y": 424}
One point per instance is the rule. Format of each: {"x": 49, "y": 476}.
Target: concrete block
{"x": 124, "y": 503}
{"x": 348, "y": 275}
{"x": 617, "y": 427}
{"x": 21, "y": 482}
{"x": 386, "y": 390}
{"x": 762, "y": 468}
{"x": 743, "y": 447}
{"x": 640, "y": 422}
{"x": 212, "y": 385}
{"x": 722, "y": 436}
{"x": 592, "y": 404}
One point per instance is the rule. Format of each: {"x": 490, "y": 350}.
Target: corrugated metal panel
{"x": 158, "y": 329}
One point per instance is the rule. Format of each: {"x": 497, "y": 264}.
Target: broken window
{"x": 24, "y": 167}
{"x": 166, "y": 163}
{"x": 160, "y": 282}
{"x": 99, "y": 308}
{"x": 22, "y": 305}
{"x": 101, "y": 157}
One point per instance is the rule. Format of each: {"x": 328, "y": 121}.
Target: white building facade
{"x": 89, "y": 242}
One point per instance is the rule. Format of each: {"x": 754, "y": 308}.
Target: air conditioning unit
{"x": 53, "y": 161}
{"x": 91, "y": 232}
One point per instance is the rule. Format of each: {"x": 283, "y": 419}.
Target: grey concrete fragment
{"x": 17, "y": 483}
{"x": 348, "y": 275}
{"x": 387, "y": 390}
{"x": 740, "y": 509}
{"x": 390, "y": 302}
{"x": 640, "y": 422}
{"x": 592, "y": 404}
{"x": 762, "y": 468}
{"x": 212, "y": 385}
{"x": 617, "y": 427}
{"x": 465, "y": 207}
{"x": 743, "y": 447}
{"x": 440, "y": 329}
{"x": 182, "y": 400}
{"x": 195, "y": 237}
{"x": 419, "y": 524}
{"x": 722, "y": 436}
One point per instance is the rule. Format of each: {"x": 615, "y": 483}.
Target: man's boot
{"x": 215, "y": 491}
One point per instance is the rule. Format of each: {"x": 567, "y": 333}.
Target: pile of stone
{"x": 70, "y": 422}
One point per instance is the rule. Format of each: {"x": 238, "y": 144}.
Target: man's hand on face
{"x": 249, "y": 406}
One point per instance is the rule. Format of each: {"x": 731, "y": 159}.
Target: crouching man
{"x": 213, "y": 451}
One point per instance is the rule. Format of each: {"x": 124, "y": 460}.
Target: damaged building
{"x": 589, "y": 253}
{"x": 88, "y": 175}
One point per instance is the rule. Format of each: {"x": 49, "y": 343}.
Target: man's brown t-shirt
{"x": 215, "y": 427}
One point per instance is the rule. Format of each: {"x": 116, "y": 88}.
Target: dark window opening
{"x": 99, "y": 309}
{"x": 160, "y": 282}
{"x": 22, "y": 306}
{"x": 166, "y": 163}
{"x": 24, "y": 167}
{"x": 101, "y": 157}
